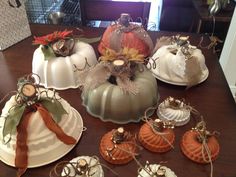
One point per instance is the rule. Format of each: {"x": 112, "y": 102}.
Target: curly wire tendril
{"x": 152, "y": 64}
{"x": 72, "y": 169}
{"x": 84, "y": 67}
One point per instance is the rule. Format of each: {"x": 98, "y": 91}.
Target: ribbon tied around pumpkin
{"x": 30, "y": 99}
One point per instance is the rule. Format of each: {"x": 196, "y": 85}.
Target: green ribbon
{"x": 15, "y": 114}
{"x": 48, "y": 52}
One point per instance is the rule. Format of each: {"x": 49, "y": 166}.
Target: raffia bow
{"x": 106, "y": 71}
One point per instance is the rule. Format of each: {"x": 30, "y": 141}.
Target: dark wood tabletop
{"x": 212, "y": 98}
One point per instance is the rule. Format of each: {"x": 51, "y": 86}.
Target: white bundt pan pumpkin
{"x": 44, "y": 146}
{"x": 110, "y": 103}
{"x": 171, "y": 68}
{"x": 59, "y": 72}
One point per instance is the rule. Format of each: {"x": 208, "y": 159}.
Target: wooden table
{"x": 212, "y": 98}
{"x": 204, "y": 15}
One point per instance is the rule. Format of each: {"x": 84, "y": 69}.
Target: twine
{"x": 65, "y": 166}
{"x": 201, "y": 126}
{"x": 149, "y": 122}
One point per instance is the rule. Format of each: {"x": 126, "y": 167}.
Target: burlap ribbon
{"x": 21, "y": 156}
{"x": 117, "y": 35}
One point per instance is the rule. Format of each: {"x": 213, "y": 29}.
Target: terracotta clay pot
{"x": 154, "y": 142}
{"x": 193, "y": 148}
{"x": 116, "y": 153}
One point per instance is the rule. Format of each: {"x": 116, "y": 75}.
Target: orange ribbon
{"x": 21, "y": 157}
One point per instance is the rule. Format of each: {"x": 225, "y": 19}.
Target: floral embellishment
{"x": 130, "y": 54}
{"x": 53, "y": 37}
{"x": 58, "y": 43}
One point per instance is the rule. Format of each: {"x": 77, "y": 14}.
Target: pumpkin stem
{"x": 124, "y": 19}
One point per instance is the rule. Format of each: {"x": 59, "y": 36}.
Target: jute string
{"x": 201, "y": 126}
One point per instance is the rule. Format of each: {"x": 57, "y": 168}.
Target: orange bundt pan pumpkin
{"x": 119, "y": 35}
{"x": 154, "y": 142}
{"x": 193, "y": 149}
{"x": 118, "y": 154}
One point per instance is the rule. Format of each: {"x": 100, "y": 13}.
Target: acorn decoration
{"x": 200, "y": 145}
{"x": 157, "y": 136}
{"x": 118, "y": 146}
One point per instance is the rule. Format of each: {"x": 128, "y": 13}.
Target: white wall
{"x": 228, "y": 55}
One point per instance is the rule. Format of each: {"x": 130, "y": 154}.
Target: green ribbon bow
{"x": 15, "y": 114}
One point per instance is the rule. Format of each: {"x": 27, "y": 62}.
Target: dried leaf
{"x": 54, "y": 107}
{"x": 13, "y": 119}
{"x": 193, "y": 71}
{"x": 127, "y": 85}
{"x": 89, "y": 40}
{"x": 48, "y": 52}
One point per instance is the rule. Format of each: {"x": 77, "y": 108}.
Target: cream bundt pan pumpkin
{"x": 43, "y": 145}
{"x": 59, "y": 72}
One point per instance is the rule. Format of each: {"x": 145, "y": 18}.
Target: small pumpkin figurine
{"x": 56, "y": 58}
{"x": 157, "y": 136}
{"x": 118, "y": 146}
{"x": 126, "y": 34}
{"x": 199, "y": 145}
{"x": 176, "y": 110}
{"x": 155, "y": 170}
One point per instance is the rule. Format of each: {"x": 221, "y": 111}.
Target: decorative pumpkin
{"x": 178, "y": 63}
{"x": 155, "y": 170}
{"x": 118, "y": 146}
{"x": 37, "y": 127}
{"x": 200, "y": 146}
{"x": 110, "y": 103}
{"x": 174, "y": 110}
{"x": 81, "y": 166}
{"x": 56, "y": 64}
{"x": 126, "y": 34}
{"x": 154, "y": 137}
